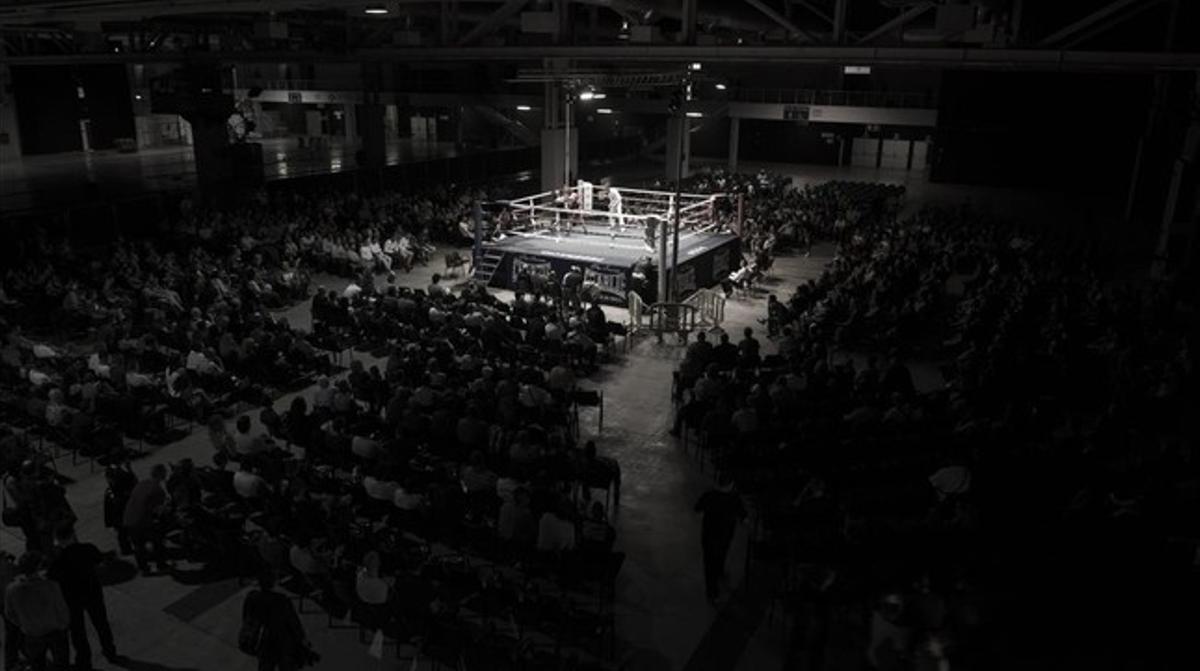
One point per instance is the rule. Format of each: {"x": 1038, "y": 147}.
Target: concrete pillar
{"x": 350, "y": 124}
{"x": 372, "y": 130}
{"x": 554, "y": 157}
{"x": 687, "y": 34}
{"x": 10, "y": 133}
{"x": 735, "y": 128}
{"x": 676, "y": 128}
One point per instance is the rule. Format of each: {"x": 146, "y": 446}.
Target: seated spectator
{"x": 516, "y": 522}
{"x": 248, "y": 484}
{"x": 556, "y": 531}
{"x": 596, "y": 535}
{"x": 371, "y": 588}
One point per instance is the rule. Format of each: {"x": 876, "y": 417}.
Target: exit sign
{"x": 795, "y": 113}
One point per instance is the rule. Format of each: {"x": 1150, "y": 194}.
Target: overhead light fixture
{"x": 375, "y": 9}
{"x": 856, "y": 70}
{"x": 587, "y": 95}
{"x": 695, "y": 115}
{"x": 523, "y": 108}
{"x": 137, "y": 96}
{"x": 599, "y": 96}
{"x": 721, "y": 87}
{"x": 604, "y": 110}
{"x": 696, "y": 67}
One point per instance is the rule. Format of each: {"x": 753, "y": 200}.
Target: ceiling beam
{"x": 896, "y": 23}
{"x": 792, "y": 29}
{"x": 493, "y": 22}
{"x": 814, "y": 9}
{"x": 908, "y": 57}
{"x": 1087, "y": 21}
{"x": 1111, "y": 22}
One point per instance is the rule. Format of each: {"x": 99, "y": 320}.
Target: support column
{"x": 676, "y": 168}
{"x": 688, "y": 33}
{"x": 10, "y": 144}
{"x": 735, "y": 128}
{"x": 554, "y": 156}
{"x": 372, "y": 130}
{"x": 221, "y": 168}
{"x": 350, "y": 124}
{"x": 839, "y": 21}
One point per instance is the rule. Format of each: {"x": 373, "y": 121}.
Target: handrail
{"x": 709, "y": 305}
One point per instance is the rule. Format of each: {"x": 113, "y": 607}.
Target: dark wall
{"x": 49, "y": 106}
{"x": 1071, "y": 132}
{"x": 107, "y": 104}
{"x": 47, "y": 109}
{"x": 784, "y": 142}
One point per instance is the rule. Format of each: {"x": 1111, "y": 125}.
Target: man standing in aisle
{"x": 36, "y": 606}
{"x": 141, "y": 519}
{"x": 722, "y": 509}
{"x": 75, "y": 572}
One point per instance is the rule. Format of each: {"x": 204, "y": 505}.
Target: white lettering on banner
{"x": 610, "y": 282}
{"x": 572, "y": 257}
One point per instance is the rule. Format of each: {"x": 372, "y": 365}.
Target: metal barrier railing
{"x": 710, "y": 307}
{"x": 661, "y": 318}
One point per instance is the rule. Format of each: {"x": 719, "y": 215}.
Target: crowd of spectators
{"x": 421, "y": 496}
{"x": 1038, "y": 495}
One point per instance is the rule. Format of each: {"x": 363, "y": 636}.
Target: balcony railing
{"x": 829, "y": 97}
{"x": 297, "y": 84}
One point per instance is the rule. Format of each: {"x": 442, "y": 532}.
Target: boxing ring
{"x": 616, "y": 236}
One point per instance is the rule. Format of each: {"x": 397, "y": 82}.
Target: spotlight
{"x": 137, "y": 96}
{"x": 604, "y": 110}
{"x": 523, "y": 108}
{"x": 721, "y": 87}
{"x": 696, "y": 67}
{"x": 375, "y": 9}
{"x": 695, "y": 115}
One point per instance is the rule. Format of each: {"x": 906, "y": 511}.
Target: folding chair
{"x": 593, "y": 398}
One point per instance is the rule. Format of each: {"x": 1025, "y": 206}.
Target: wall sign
{"x": 295, "y": 97}
{"x": 795, "y": 113}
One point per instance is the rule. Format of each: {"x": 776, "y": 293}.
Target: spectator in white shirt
{"x": 380, "y": 489}
{"x": 248, "y": 484}
{"x": 436, "y": 288}
{"x": 245, "y": 442}
{"x": 323, "y": 397}
{"x": 372, "y": 589}
{"x": 556, "y": 532}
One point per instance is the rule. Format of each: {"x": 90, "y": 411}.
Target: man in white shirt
{"x": 436, "y": 288}
{"x": 248, "y": 484}
{"x": 379, "y": 489}
{"x": 199, "y": 362}
{"x": 555, "y": 533}
{"x": 246, "y": 443}
{"x": 323, "y": 397}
